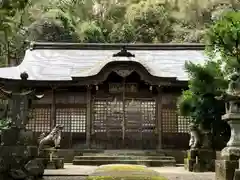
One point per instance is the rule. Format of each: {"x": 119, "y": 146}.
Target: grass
{"x": 124, "y": 172}
{"x": 122, "y": 167}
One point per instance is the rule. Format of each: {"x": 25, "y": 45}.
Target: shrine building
{"x": 107, "y": 96}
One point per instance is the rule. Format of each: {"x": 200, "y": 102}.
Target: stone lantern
{"x": 18, "y": 157}
{"x": 225, "y": 167}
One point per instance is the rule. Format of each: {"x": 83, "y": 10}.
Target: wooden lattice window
{"x": 78, "y": 120}
{"x": 169, "y": 120}
{"x": 139, "y": 114}
{"x": 183, "y": 122}
{"x": 133, "y": 115}
{"x": 149, "y": 115}
{"x": 40, "y": 120}
{"x": 114, "y": 116}
{"x": 63, "y": 116}
{"x": 101, "y": 111}
{"x": 73, "y": 119}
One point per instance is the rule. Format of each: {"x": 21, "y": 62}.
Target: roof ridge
{"x": 116, "y": 46}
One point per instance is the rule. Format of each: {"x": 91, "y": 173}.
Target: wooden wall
{"x": 174, "y": 128}
{"x": 171, "y": 130}
{"x": 70, "y": 110}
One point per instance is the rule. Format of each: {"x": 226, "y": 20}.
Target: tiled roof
{"x": 56, "y": 64}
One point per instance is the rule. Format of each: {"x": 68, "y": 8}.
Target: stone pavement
{"x": 179, "y": 173}
{"x": 172, "y": 173}
{"x": 70, "y": 169}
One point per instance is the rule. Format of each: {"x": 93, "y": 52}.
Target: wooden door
{"x": 140, "y": 123}
{"x": 107, "y": 123}
{"x": 127, "y": 123}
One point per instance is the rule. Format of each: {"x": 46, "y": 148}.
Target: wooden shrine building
{"x": 108, "y": 96}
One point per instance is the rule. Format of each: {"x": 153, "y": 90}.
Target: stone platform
{"x": 148, "y": 158}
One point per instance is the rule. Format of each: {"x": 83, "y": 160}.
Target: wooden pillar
{"x": 88, "y": 123}
{"x": 159, "y": 117}
{"x": 53, "y": 108}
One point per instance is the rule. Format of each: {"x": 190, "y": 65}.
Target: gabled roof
{"x": 62, "y": 61}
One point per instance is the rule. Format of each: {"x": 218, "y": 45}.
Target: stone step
{"x": 105, "y": 157}
{"x": 147, "y": 162}
{"x": 133, "y": 152}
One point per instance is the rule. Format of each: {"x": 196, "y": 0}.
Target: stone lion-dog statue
{"x": 53, "y": 139}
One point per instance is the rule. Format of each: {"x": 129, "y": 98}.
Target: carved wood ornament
{"x": 123, "y": 72}
{"x": 123, "y": 53}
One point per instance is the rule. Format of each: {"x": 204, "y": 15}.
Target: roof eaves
{"x": 116, "y": 46}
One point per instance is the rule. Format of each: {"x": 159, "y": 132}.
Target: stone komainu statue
{"x": 195, "y": 137}
{"x": 52, "y": 139}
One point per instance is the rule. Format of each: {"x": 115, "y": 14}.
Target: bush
{"x": 124, "y": 172}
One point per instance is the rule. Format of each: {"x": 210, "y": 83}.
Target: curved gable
{"x": 123, "y": 68}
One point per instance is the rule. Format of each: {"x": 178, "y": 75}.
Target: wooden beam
{"x": 117, "y": 46}
{"x": 88, "y": 123}
{"x": 53, "y": 108}
{"x": 159, "y": 117}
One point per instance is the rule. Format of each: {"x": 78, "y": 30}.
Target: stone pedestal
{"x": 17, "y": 156}
{"x": 237, "y": 174}
{"x": 56, "y": 163}
{"x": 226, "y": 166}
{"x": 200, "y": 160}
{"x": 51, "y": 159}
{"x": 225, "y": 169}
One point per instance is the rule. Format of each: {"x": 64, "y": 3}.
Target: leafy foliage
{"x": 105, "y": 21}
{"x": 200, "y": 103}
{"x": 145, "y": 17}
{"x": 122, "y": 33}
{"x": 224, "y": 37}
{"x": 209, "y": 80}
{"x": 206, "y": 82}
{"x": 4, "y": 124}
{"x": 91, "y": 32}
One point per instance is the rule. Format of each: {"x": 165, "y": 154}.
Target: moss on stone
{"x": 122, "y": 167}
{"x": 124, "y": 172}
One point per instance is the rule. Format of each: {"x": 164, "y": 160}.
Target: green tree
{"x": 8, "y": 25}
{"x": 223, "y": 38}
{"x": 54, "y": 25}
{"x": 209, "y": 80}
{"x": 91, "y": 32}
{"x": 206, "y": 82}
{"x": 199, "y": 102}
{"x": 151, "y": 21}
{"x": 122, "y": 33}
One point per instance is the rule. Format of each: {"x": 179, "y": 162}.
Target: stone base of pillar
{"x": 200, "y": 160}
{"x": 225, "y": 169}
{"x": 226, "y": 166}
{"x": 55, "y": 163}
{"x": 237, "y": 174}
{"x": 51, "y": 159}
